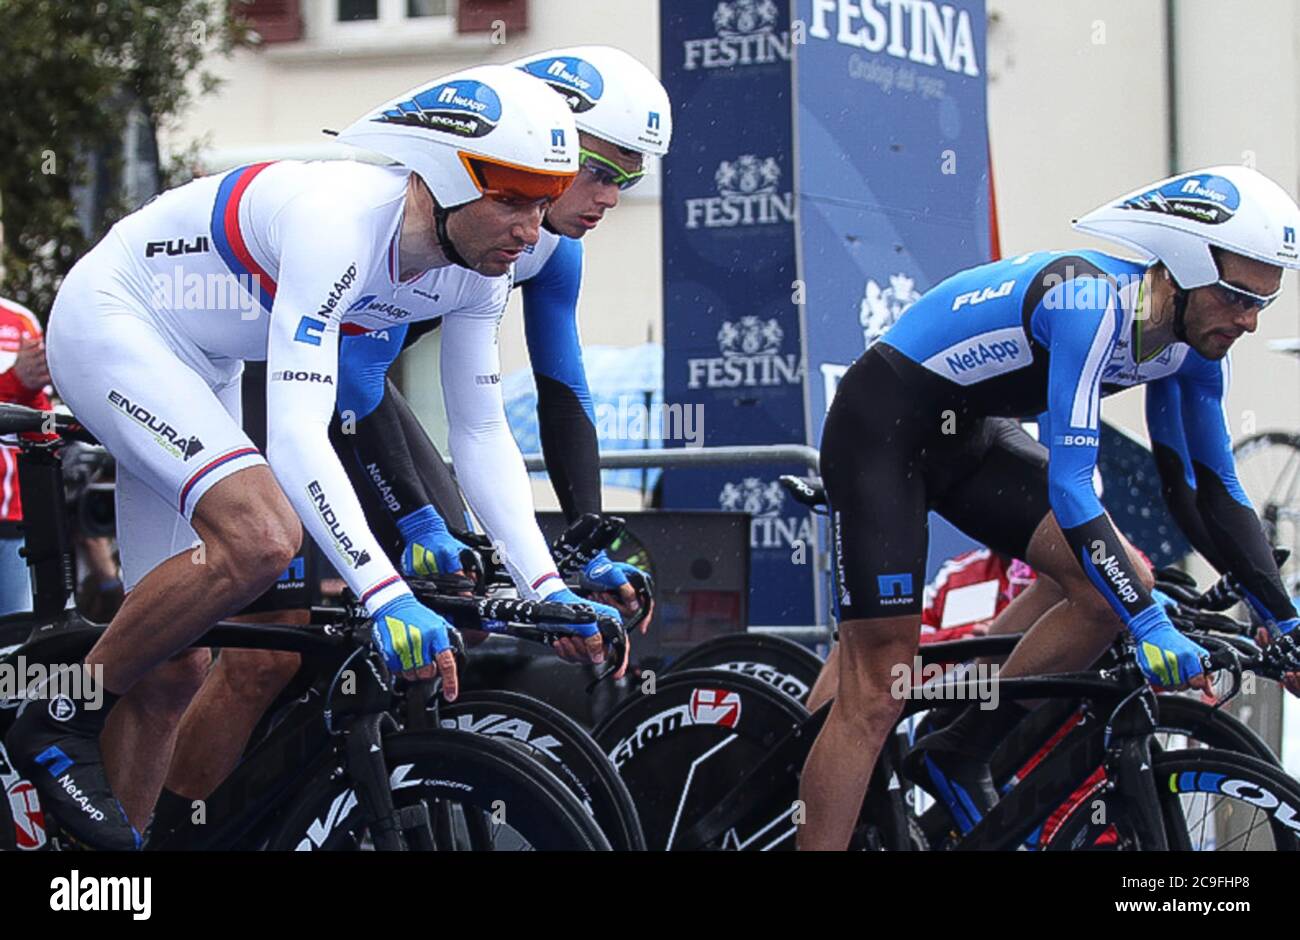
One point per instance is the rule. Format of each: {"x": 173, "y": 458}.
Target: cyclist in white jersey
{"x": 146, "y": 342}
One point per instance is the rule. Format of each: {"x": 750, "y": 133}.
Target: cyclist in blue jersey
{"x": 913, "y": 428}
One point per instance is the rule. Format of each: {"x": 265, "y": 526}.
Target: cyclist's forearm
{"x": 570, "y": 447}
{"x": 379, "y": 446}
{"x": 1182, "y": 502}
{"x": 1247, "y": 554}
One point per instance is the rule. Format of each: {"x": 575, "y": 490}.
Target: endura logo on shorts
{"x": 1121, "y": 582}
{"x": 353, "y": 556}
{"x": 464, "y": 108}
{"x": 173, "y": 441}
{"x": 984, "y": 293}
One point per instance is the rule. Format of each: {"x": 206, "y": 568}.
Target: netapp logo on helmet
{"x": 747, "y": 35}
{"x": 919, "y": 30}
{"x": 983, "y": 356}
{"x": 748, "y": 194}
{"x": 1201, "y": 198}
{"x": 577, "y": 79}
{"x": 464, "y": 107}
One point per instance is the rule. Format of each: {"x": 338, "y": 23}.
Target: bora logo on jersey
{"x": 465, "y": 107}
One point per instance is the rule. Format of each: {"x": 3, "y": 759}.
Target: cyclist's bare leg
{"x": 140, "y": 733}
{"x": 863, "y": 714}
{"x": 1017, "y": 617}
{"x": 823, "y": 689}
{"x": 216, "y": 727}
{"x": 249, "y": 535}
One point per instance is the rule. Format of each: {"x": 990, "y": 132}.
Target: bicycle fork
{"x": 368, "y": 771}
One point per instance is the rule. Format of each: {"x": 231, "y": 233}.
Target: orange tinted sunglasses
{"x": 506, "y": 182}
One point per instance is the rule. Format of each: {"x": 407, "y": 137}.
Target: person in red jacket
{"x": 968, "y": 592}
{"x": 24, "y": 380}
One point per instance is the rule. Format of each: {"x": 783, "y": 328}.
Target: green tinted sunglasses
{"x": 607, "y": 171}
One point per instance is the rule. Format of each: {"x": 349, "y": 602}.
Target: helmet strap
{"x": 440, "y": 216}
{"x": 1180, "y": 314}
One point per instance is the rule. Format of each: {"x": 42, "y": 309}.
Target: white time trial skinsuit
{"x": 149, "y": 333}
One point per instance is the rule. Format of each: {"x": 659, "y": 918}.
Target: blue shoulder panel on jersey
{"x": 364, "y": 360}
{"x": 1203, "y": 383}
{"x": 1078, "y": 322}
{"x": 551, "y": 320}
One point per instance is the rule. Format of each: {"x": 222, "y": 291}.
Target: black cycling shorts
{"x": 898, "y": 442}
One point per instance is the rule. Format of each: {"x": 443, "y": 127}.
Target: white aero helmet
{"x": 486, "y": 130}
{"x": 612, "y": 95}
{"x": 1179, "y": 220}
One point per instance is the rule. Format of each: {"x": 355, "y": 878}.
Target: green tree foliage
{"x": 71, "y": 71}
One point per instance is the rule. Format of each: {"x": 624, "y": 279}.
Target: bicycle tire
{"x": 787, "y": 666}
{"x": 1271, "y": 511}
{"x": 558, "y": 743}
{"x": 1101, "y": 821}
{"x": 445, "y": 768}
{"x": 720, "y": 721}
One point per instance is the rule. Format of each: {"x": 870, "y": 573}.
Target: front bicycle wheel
{"x": 475, "y": 793}
{"x": 1211, "y": 801}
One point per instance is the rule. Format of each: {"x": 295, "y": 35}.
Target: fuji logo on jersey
{"x": 751, "y": 357}
{"x": 715, "y": 707}
{"x": 352, "y": 555}
{"x": 171, "y": 440}
{"x": 465, "y": 107}
{"x": 577, "y": 80}
{"x": 177, "y": 246}
{"x": 933, "y": 34}
{"x": 881, "y": 307}
{"x": 746, "y": 35}
{"x": 764, "y": 502}
{"x": 1203, "y": 197}
{"x": 748, "y": 194}
{"x": 974, "y": 297}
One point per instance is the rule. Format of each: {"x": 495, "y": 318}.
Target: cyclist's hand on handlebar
{"x": 1265, "y": 635}
{"x": 430, "y": 548}
{"x": 415, "y": 643}
{"x": 608, "y": 582}
{"x": 1167, "y": 658}
{"x": 586, "y": 646}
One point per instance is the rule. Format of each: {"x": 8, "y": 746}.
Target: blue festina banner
{"x": 892, "y": 174}
{"x": 731, "y": 325}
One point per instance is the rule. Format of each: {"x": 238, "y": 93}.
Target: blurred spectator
{"x": 24, "y": 380}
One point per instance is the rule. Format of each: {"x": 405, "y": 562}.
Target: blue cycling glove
{"x": 1166, "y": 656}
{"x": 1164, "y": 600}
{"x": 565, "y": 596}
{"x": 430, "y": 548}
{"x": 409, "y": 634}
{"x": 604, "y": 574}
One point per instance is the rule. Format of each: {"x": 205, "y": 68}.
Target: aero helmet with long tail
{"x": 484, "y": 131}
{"x": 612, "y": 95}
